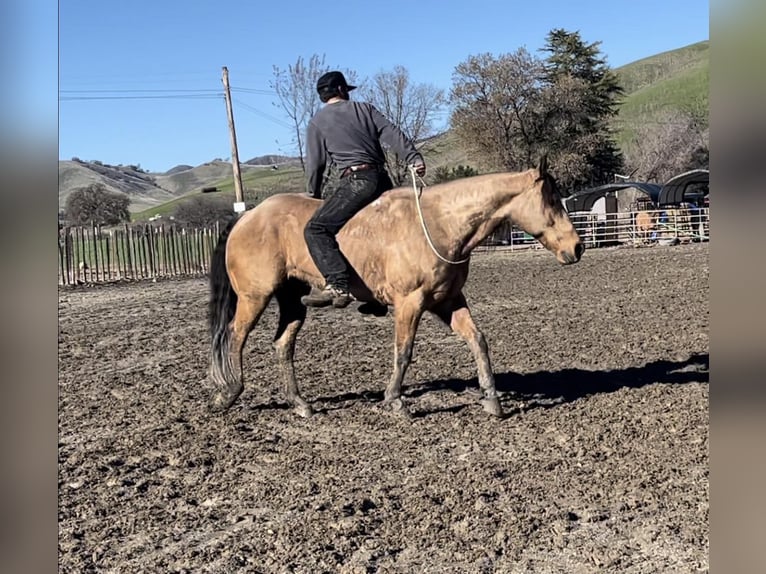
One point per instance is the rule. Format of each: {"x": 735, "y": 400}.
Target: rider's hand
{"x": 420, "y": 169}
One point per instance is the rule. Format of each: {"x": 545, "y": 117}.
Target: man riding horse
{"x": 348, "y": 134}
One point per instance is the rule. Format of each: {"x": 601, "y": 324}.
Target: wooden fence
{"x": 97, "y": 255}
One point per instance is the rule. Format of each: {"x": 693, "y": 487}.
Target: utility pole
{"x": 239, "y": 206}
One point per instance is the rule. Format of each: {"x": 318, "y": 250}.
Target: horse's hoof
{"x": 492, "y": 406}
{"x": 221, "y": 401}
{"x": 304, "y": 410}
{"x": 398, "y": 407}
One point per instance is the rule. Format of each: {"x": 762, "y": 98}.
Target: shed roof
{"x": 676, "y": 188}
{"x": 673, "y": 192}
{"x": 585, "y": 199}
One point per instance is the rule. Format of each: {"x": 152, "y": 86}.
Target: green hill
{"x": 648, "y": 71}
{"x": 678, "y": 79}
{"x": 258, "y": 183}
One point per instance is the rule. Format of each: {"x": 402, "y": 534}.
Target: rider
{"x": 348, "y": 134}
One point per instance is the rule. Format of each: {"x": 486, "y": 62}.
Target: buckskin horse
{"x": 409, "y": 249}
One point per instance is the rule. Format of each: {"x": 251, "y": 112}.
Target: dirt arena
{"x": 600, "y": 466}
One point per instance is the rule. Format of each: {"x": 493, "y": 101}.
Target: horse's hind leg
{"x": 407, "y": 314}
{"x": 230, "y": 385}
{"x": 292, "y": 313}
{"x": 456, "y": 314}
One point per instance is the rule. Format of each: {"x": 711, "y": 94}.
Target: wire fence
{"x": 97, "y": 255}
{"x": 633, "y": 228}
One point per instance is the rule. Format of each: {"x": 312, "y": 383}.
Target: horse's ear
{"x": 543, "y": 165}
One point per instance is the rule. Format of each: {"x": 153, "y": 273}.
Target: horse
{"x": 644, "y": 225}
{"x": 409, "y": 249}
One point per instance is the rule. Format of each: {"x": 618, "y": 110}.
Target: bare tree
{"x": 496, "y": 102}
{"x": 410, "y": 106}
{"x": 296, "y": 90}
{"x": 673, "y": 142}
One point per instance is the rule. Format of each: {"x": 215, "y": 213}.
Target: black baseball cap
{"x": 331, "y": 81}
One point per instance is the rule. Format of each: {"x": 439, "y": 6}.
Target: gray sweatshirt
{"x": 350, "y": 133}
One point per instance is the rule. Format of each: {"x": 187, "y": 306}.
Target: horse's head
{"x": 540, "y": 213}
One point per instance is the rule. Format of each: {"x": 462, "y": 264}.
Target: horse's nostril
{"x": 579, "y": 250}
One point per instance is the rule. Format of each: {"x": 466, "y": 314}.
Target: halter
{"x": 423, "y": 221}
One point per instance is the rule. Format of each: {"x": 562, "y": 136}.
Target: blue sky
{"x": 178, "y": 49}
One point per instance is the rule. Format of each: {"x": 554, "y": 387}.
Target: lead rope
{"x": 423, "y": 221}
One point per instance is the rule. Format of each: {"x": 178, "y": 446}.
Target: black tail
{"x": 223, "y": 299}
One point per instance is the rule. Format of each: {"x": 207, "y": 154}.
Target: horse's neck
{"x": 469, "y": 210}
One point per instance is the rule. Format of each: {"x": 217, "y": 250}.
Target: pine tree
{"x": 569, "y": 55}
{"x": 578, "y": 67}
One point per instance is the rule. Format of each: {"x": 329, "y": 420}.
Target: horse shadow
{"x": 546, "y": 389}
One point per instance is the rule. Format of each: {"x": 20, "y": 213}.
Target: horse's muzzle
{"x": 569, "y": 257}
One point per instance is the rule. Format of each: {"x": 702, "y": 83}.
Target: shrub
{"x": 203, "y": 211}
{"x": 95, "y": 204}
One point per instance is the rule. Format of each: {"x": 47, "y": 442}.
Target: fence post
{"x": 184, "y": 250}
{"x": 81, "y": 254}
{"x": 102, "y": 246}
{"x": 62, "y": 249}
{"x": 95, "y": 252}
{"x": 128, "y": 249}
{"x": 150, "y": 249}
{"x": 119, "y": 254}
{"x": 173, "y": 252}
{"x": 106, "y": 255}
{"x": 166, "y": 248}
{"x": 142, "y": 251}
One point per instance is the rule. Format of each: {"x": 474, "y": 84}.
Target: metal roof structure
{"x": 673, "y": 192}
{"x": 676, "y": 188}
{"x": 585, "y": 199}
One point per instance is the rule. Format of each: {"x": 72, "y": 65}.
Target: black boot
{"x": 330, "y": 295}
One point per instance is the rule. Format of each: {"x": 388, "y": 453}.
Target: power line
{"x": 254, "y": 91}
{"x": 264, "y": 115}
{"x": 152, "y": 94}
{"x": 169, "y": 94}
{"x": 145, "y": 97}
{"x": 101, "y": 91}
{"x": 172, "y": 90}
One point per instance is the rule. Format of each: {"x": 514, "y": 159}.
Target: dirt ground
{"x": 601, "y": 465}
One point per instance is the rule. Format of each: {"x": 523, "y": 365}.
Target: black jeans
{"x": 354, "y": 192}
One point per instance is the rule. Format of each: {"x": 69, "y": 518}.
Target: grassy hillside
{"x": 184, "y": 181}
{"x": 152, "y": 193}
{"x": 258, "y": 183}
{"x": 678, "y": 79}
{"x": 142, "y": 188}
{"x": 648, "y": 71}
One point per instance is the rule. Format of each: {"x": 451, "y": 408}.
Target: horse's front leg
{"x": 457, "y": 315}
{"x": 407, "y": 314}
